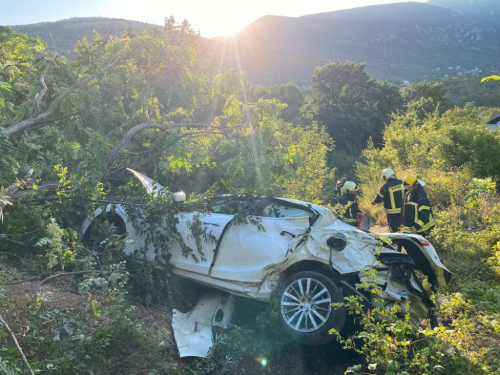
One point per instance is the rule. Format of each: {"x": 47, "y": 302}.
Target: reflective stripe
{"x": 393, "y": 211}
{"x": 428, "y": 226}
{"x": 421, "y": 223}
{"x": 392, "y": 190}
{"x": 423, "y": 208}
{"x": 412, "y": 204}
{"x": 350, "y": 220}
{"x": 380, "y": 195}
{"x": 407, "y": 229}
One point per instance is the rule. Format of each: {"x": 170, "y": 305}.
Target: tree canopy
{"x": 351, "y": 105}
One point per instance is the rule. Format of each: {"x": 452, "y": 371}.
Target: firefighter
{"x": 348, "y": 200}
{"x": 340, "y": 185}
{"x": 417, "y": 211}
{"x": 392, "y": 194}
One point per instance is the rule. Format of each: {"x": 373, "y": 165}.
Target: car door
{"x": 245, "y": 250}
{"x": 199, "y": 234}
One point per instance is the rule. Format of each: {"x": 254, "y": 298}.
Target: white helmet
{"x": 386, "y": 173}
{"x": 349, "y": 187}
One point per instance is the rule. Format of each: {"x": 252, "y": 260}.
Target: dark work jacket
{"x": 351, "y": 214}
{"x": 338, "y": 189}
{"x": 417, "y": 211}
{"x": 392, "y": 194}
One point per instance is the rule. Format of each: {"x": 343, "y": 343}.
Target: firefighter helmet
{"x": 386, "y": 173}
{"x": 349, "y": 187}
{"x": 410, "y": 180}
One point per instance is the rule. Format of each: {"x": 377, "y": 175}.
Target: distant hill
{"x": 66, "y": 33}
{"x": 398, "y": 41}
{"x": 470, "y": 7}
{"x": 402, "y": 41}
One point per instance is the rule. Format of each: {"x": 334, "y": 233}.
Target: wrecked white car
{"x": 305, "y": 252}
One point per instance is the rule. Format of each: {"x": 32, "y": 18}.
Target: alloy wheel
{"x": 306, "y": 305}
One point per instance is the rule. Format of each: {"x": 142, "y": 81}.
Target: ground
{"x": 61, "y": 296}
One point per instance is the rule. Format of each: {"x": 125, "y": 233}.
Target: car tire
{"x": 305, "y": 309}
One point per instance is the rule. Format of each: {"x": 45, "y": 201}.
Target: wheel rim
{"x": 306, "y": 305}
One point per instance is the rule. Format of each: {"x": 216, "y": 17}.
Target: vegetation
{"x": 150, "y": 101}
{"x": 466, "y": 90}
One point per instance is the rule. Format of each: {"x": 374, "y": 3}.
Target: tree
{"x": 351, "y": 105}
{"x": 140, "y": 101}
{"x": 429, "y": 96}
{"x": 289, "y": 94}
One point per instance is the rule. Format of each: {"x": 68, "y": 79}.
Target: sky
{"x": 211, "y": 17}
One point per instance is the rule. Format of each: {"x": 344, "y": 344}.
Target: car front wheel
{"x": 305, "y": 307}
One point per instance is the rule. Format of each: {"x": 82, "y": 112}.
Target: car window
{"x": 280, "y": 210}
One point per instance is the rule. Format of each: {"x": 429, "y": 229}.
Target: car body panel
{"x": 197, "y": 261}
{"x": 246, "y": 251}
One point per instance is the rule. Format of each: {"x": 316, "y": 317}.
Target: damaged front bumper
{"x": 399, "y": 284}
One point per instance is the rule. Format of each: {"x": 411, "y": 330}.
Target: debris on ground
{"x": 193, "y": 330}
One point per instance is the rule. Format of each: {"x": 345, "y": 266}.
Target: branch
{"x": 33, "y": 121}
{"x": 11, "y": 190}
{"x": 156, "y": 154}
{"x": 17, "y": 345}
{"x": 66, "y": 274}
{"x": 41, "y": 93}
{"x": 113, "y": 155}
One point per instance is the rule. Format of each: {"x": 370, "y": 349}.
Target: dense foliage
{"x": 350, "y": 104}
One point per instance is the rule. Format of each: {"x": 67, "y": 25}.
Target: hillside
{"x": 66, "y": 33}
{"x": 411, "y": 41}
{"x": 398, "y": 41}
{"x": 484, "y": 12}
{"x": 470, "y": 7}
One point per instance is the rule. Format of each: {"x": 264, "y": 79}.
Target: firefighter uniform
{"x": 392, "y": 194}
{"x": 351, "y": 204}
{"x": 417, "y": 212}
{"x": 340, "y": 185}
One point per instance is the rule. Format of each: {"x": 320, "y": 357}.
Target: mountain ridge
{"x": 411, "y": 41}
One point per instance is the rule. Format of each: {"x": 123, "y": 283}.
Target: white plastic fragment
{"x": 193, "y": 330}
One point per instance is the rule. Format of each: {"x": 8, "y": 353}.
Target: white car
{"x": 307, "y": 252}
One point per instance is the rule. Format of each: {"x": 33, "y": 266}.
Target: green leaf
{"x": 491, "y": 78}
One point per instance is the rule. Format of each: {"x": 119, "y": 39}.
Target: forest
{"x": 151, "y": 101}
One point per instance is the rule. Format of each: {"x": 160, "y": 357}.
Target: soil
{"x": 61, "y": 296}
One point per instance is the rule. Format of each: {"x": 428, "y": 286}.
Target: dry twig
{"x": 17, "y": 345}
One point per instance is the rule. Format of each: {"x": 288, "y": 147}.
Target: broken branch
{"x": 41, "y": 93}
{"x": 11, "y": 334}
{"x": 66, "y": 274}
{"x": 35, "y": 120}
{"x": 113, "y": 155}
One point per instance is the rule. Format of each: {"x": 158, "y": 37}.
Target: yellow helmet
{"x": 410, "y": 180}
{"x": 349, "y": 187}
{"x": 386, "y": 173}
